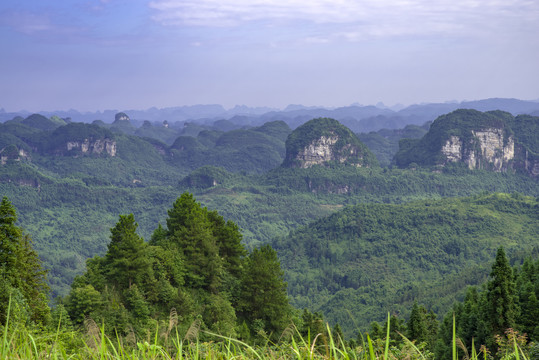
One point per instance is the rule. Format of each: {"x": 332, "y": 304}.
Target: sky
{"x": 93, "y": 55}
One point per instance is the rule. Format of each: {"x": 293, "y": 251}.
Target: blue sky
{"x": 132, "y": 54}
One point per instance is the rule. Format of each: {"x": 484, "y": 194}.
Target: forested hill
{"x": 373, "y": 257}
{"x": 493, "y": 140}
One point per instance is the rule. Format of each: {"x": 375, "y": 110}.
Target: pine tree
{"x": 338, "y": 336}
{"x": 191, "y": 233}
{"x": 10, "y": 243}
{"x": 528, "y": 286}
{"x": 126, "y": 261}
{"x": 228, "y": 238}
{"x": 417, "y": 324}
{"x": 20, "y": 268}
{"x": 263, "y": 294}
{"x": 502, "y": 311}
{"x": 529, "y": 312}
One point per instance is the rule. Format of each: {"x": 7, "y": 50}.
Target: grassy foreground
{"x": 20, "y": 343}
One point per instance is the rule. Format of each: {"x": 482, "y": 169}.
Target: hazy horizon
{"x": 94, "y": 55}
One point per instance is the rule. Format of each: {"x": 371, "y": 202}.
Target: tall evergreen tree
{"x": 191, "y": 233}
{"x": 228, "y": 238}
{"x": 20, "y": 268}
{"x": 263, "y": 293}
{"x": 502, "y": 311}
{"x": 528, "y": 289}
{"x": 126, "y": 261}
{"x": 417, "y": 324}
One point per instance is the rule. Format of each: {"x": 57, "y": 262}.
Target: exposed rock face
{"x": 325, "y": 141}
{"x": 322, "y": 150}
{"x": 492, "y": 151}
{"x": 121, "y": 117}
{"x": 12, "y": 152}
{"x": 493, "y": 140}
{"x": 93, "y": 147}
{"x": 495, "y": 149}
{"x": 531, "y": 161}
{"x": 317, "y": 152}
{"x": 452, "y": 149}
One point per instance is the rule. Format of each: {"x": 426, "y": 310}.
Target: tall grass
{"x": 20, "y": 343}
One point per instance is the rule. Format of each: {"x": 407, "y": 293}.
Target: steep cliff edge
{"x": 325, "y": 141}
{"x": 77, "y": 139}
{"x": 492, "y": 140}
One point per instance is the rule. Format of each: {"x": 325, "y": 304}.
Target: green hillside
{"x": 368, "y": 258}
{"x": 254, "y": 150}
{"x": 384, "y": 143}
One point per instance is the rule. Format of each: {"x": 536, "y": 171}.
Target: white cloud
{"x": 378, "y": 18}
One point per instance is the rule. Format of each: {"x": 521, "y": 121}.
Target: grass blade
{"x": 454, "y": 339}
{"x": 386, "y": 350}
{"x": 371, "y": 350}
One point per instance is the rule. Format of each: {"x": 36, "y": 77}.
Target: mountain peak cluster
{"x": 492, "y": 140}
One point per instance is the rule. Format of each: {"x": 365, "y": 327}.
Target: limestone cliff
{"x": 479, "y": 140}
{"x": 13, "y": 153}
{"x": 324, "y": 142}
{"x": 487, "y": 149}
{"x": 77, "y": 139}
{"x": 88, "y": 146}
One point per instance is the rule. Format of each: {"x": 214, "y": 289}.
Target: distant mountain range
{"x": 356, "y": 117}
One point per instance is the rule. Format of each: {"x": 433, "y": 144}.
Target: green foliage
{"x": 378, "y": 255}
{"x": 490, "y": 315}
{"x": 526, "y": 128}
{"x": 252, "y": 150}
{"x": 159, "y": 133}
{"x": 21, "y": 274}
{"x": 263, "y": 291}
{"x": 501, "y": 295}
{"x": 385, "y": 143}
{"x": 527, "y": 283}
{"x": 40, "y": 122}
{"x": 70, "y": 214}
{"x": 422, "y": 326}
{"x": 207, "y": 177}
{"x": 196, "y": 266}
{"x": 127, "y": 261}
{"x": 77, "y": 132}
{"x": 276, "y": 129}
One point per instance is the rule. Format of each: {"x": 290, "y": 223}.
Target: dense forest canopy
{"x": 195, "y": 276}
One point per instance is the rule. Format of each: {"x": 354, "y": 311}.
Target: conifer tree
{"x": 501, "y": 312}
{"x": 191, "y": 233}
{"x": 528, "y": 288}
{"x": 126, "y": 261}
{"x": 228, "y": 238}
{"x": 417, "y": 325}
{"x": 20, "y": 268}
{"x": 263, "y": 294}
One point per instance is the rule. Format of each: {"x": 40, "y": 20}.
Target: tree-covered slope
{"x": 370, "y": 257}
{"x": 69, "y": 217}
{"x": 254, "y": 150}
{"x": 384, "y": 143}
